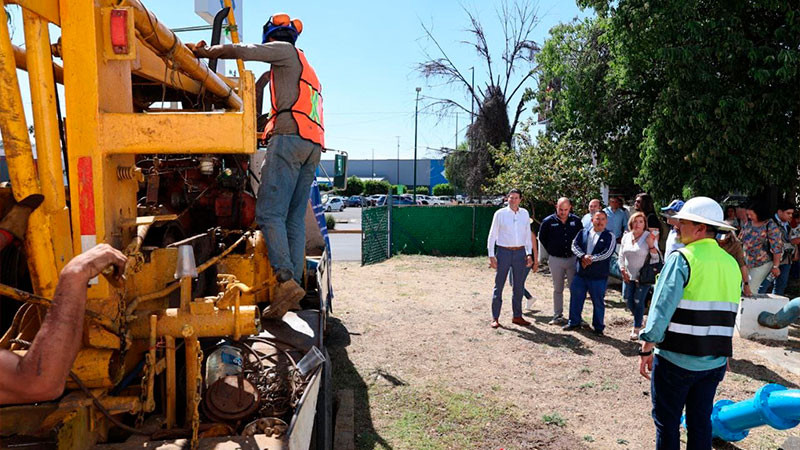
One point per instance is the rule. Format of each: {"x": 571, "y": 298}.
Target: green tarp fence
{"x": 374, "y": 235}
{"x": 426, "y": 230}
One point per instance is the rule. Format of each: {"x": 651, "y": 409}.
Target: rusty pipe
{"x": 191, "y": 346}
{"x": 21, "y": 58}
{"x": 150, "y": 404}
{"x": 171, "y": 387}
{"x": 213, "y": 323}
{"x": 22, "y": 169}
{"x": 171, "y": 49}
{"x": 27, "y": 297}
{"x": 47, "y": 129}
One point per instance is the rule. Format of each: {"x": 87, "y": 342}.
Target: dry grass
{"x": 411, "y": 336}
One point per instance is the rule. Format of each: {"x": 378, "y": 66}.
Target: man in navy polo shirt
{"x": 593, "y": 247}
{"x": 556, "y": 235}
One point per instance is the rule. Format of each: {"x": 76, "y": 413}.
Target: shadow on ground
{"x": 758, "y": 372}
{"x": 346, "y": 376}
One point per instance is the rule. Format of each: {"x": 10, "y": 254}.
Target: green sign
{"x": 340, "y": 172}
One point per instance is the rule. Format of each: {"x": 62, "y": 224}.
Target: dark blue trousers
{"x": 674, "y": 387}
{"x": 513, "y": 261}
{"x": 596, "y": 288}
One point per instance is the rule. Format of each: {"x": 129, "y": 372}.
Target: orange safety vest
{"x": 306, "y": 110}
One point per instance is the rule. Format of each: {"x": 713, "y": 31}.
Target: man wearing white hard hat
{"x": 690, "y": 326}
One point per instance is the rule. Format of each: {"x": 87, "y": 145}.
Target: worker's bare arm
{"x": 40, "y": 374}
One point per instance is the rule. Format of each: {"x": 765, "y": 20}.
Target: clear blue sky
{"x": 365, "y": 54}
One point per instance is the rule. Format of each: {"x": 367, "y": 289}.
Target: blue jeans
{"x": 596, "y": 288}
{"x": 286, "y": 178}
{"x": 514, "y": 261}
{"x": 674, "y": 387}
{"x": 794, "y": 272}
{"x": 525, "y": 274}
{"x": 778, "y": 286}
{"x": 635, "y": 295}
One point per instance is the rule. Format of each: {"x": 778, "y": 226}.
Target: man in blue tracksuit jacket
{"x": 593, "y": 248}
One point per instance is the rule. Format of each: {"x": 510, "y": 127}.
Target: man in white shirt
{"x": 594, "y": 206}
{"x": 510, "y": 248}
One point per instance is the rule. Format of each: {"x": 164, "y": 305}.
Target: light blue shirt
{"x": 586, "y": 221}
{"x": 673, "y": 242}
{"x": 617, "y": 221}
{"x": 666, "y": 296}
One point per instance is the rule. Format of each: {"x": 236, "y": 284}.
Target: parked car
{"x": 334, "y": 204}
{"x": 423, "y": 199}
{"x": 373, "y": 199}
{"x": 356, "y": 200}
{"x": 444, "y": 199}
{"x": 397, "y": 200}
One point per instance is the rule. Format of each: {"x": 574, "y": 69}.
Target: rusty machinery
{"x": 151, "y": 180}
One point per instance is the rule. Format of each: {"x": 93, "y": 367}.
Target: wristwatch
{"x": 647, "y": 353}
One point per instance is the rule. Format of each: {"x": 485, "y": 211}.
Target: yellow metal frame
{"x": 103, "y": 133}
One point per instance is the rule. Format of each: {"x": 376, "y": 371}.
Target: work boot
{"x": 16, "y": 221}
{"x": 287, "y": 296}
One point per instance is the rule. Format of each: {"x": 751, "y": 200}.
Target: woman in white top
{"x": 635, "y": 246}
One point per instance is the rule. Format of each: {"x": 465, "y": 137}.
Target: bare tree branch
{"x": 444, "y": 68}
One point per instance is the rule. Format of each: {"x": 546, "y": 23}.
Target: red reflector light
{"x": 119, "y": 31}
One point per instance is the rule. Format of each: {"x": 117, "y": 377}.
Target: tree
{"x": 355, "y": 186}
{"x": 422, "y": 190}
{"x": 579, "y": 94}
{"x": 547, "y": 169}
{"x": 396, "y": 188}
{"x": 444, "y": 189}
{"x": 712, "y": 86}
{"x": 372, "y": 187}
{"x": 492, "y": 126}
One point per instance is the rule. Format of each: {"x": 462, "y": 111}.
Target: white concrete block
{"x": 747, "y": 319}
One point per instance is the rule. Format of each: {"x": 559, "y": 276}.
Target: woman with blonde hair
{"x": 636, "y": 245}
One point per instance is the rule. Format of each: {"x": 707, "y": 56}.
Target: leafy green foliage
{"x": 443, "y": 189}
{"x": 580, "y": 95}
{"x": 330, "y": 221}
{"x": 554, "y": 419}
{"x": 355, "y": 186}
{"x": 376, "y": 187}
{"x": 422, "y": 190}
{"x": 549, "y": 169}
{"x": 396, "y": 188}
{"x": 680, "y": 96}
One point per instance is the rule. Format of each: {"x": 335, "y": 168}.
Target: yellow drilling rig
{"x": 153, "y": 155}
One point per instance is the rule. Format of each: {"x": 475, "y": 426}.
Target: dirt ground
{"x": 411, "y": 338}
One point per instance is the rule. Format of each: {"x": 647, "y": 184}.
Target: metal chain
{"x": 143, "y": 394}
{"x": 197, "y": 398}
{"x": 123, "y": 323}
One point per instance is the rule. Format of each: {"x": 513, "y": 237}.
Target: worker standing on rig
{"x": 296, "y": 138}
{"x": 690, "y": 324}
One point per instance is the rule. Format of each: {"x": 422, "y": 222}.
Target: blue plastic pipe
{"x": 782, "y": 318}
{"x": 773, "y": 405}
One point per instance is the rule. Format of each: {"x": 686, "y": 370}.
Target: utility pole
{"x": 397, "y": 182}
{"x": 456, "y": 147}
{"x": 416, "y": 117}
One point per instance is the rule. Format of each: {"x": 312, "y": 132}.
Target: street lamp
{"x": 416, "y": 114}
